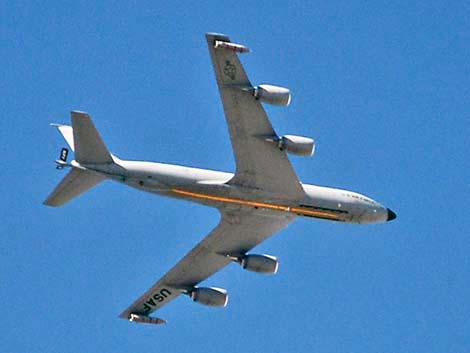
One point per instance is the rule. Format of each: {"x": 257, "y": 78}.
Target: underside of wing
{"x": 238, "y": 232}
{"x": 260, "y": 163}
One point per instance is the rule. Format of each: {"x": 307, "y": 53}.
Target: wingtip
{"x": 217, "y": 36}
{"x": 124, "y": 315}
{"x": 78, "y": 113}
{"x": 144, "y": 319}
{"x": 48, "y": 202}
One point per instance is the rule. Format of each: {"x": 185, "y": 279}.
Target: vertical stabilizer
{"x": 89, "y": 149}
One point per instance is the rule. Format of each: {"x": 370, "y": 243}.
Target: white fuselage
{"x": 211, "y": 188}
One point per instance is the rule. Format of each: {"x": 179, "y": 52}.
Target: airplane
{"x": 263, "y": 196}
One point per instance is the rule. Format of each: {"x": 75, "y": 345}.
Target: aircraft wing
{"x": 239, "y": 231}
{"x": 260, "y": 164}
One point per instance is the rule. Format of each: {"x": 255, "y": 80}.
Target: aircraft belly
{"x": 210, "y": 188}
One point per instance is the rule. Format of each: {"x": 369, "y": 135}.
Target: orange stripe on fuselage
{"x": 296, "y": 210}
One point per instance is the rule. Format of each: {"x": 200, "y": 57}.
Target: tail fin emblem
{"x": 62, "y": 162}
{"x": 64, "y": 154}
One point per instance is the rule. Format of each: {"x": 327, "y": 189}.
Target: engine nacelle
{"x": 274, "y": 95}
{"x": 210, "y": 296}
{"x": 299, "y": 145}
{"x": 266, "y": 264}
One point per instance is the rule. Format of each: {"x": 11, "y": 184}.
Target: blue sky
{"x": 384, "y": 89}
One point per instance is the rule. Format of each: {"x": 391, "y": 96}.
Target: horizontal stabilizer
{"x": 75, "y": 183}
{"x": 89, "y": 147}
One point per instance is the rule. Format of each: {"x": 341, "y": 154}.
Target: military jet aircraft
{"x": 263, "y": 196}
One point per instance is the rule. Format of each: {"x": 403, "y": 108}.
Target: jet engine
{"x": 298, "y": 145}
{"x": 209, "y": 296}
{"x": 260, "y": 263}
{"x": 274, "y": 95}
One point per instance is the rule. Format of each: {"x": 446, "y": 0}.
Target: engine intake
{"x": 298, "y": 145}
{"x": 274, "y": 95}
{"x": 209, "y": 296}
{"x": 266, "y": 264}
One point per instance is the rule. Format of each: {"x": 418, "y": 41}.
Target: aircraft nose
{"x": 390, "y": 215}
